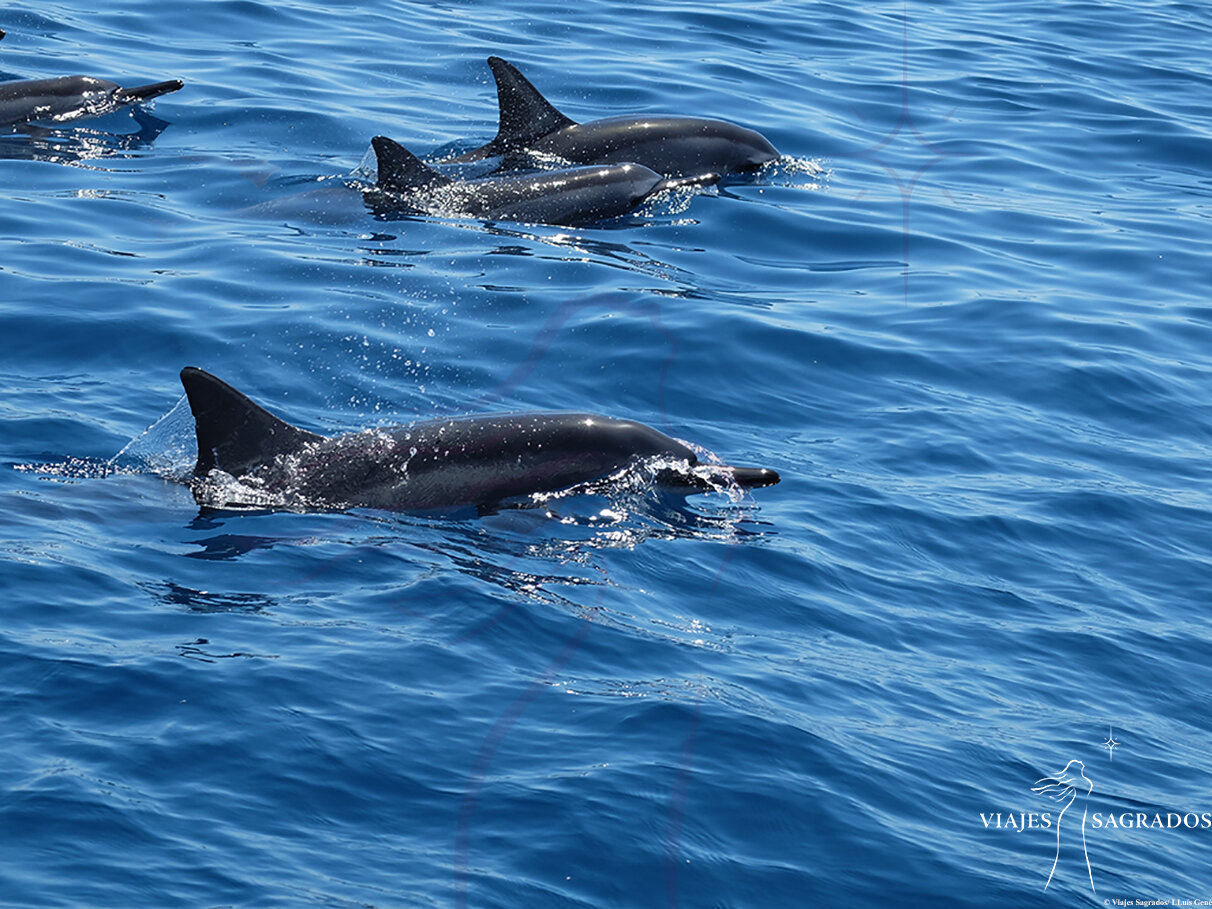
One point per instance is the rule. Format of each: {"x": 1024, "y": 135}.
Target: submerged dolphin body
{"x": 673, "y": 146}
{"x": 445, "y": 464}
{"x": 570, "y": 197}
{"x": 65, "y": 98}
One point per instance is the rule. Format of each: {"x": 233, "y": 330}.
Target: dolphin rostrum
{"x": 570, "y": 197}
{"x": 673, "y": 146}
{"x": 434, "y": 464}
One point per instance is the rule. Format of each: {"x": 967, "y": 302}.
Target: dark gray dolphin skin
{"x": 673, "y": 146}
{"x": 436, "y": 464}
{"x": 573, "y": 196}
{"x": 64, "y": 98}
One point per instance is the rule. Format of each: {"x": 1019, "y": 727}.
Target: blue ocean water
{"x": 966, "y": 316}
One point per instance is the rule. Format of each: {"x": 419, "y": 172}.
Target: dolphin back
{"x": 235, "y": 434}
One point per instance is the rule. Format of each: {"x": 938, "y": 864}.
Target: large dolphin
{"x": 64, "y": 98}
{"x": 444, "y": 464}
{"x": 578, "y": 195}
{"x": 673, "y": 146}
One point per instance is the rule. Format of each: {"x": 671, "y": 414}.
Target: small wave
{"x": 72, "y": 469}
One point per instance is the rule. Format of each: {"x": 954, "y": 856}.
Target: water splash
{"x": 790, "y": 171}
{"x": 166, "y": 448}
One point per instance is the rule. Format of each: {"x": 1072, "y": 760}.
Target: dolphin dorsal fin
{"x": 526, "y": 115}
{"x": 235, "y": 433}
{"x": 402, "y": 171}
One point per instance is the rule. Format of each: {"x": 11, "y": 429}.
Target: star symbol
{"x": 1110, "y": 744}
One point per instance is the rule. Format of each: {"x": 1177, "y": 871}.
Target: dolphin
{"x": 64, "y": 98}
{"x": 479, "y": 461}
{"x": 673, "y": 146}
{"x": 572, "y": 196}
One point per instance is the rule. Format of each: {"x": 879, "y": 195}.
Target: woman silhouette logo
{"x": 1064, "y": 787}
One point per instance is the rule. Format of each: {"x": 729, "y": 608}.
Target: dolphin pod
{"x": 486, "y": 460}
{"x": 622, "y": 159}
{"x": 673, "y": 146}
{"x": 477, "y": 461}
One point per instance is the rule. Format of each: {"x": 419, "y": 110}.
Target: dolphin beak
{"x": 744, "y": 477}
{"x": 147, "y": 92}
{"x": 753, "y": 477}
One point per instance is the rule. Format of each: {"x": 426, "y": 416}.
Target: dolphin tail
{"x": 147, "y": 92}
{"x": 235, "y": 434}
{"x": 402, "y": 171}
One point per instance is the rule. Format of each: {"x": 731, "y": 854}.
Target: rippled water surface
{"x": 965, "y": 316}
